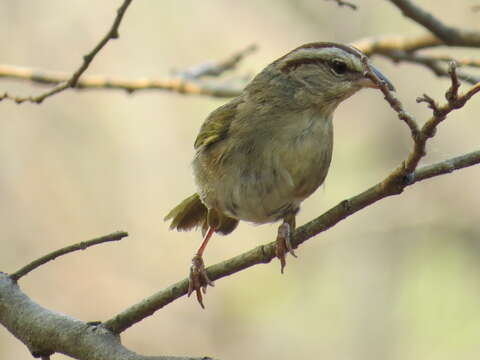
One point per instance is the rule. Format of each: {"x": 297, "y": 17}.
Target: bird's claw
{"x": 198, "y": 279}
{"x": 284, "y": 244}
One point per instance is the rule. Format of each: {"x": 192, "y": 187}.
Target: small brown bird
{"x": 264, "y": 152}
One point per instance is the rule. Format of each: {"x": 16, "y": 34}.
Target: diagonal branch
{"x": 265, "y": 253}
{"x": 87, "y": 59}
{"x": 448, "y": 34}
{"x": 116, "y": 236}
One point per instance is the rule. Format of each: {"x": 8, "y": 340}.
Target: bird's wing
{"x": 216, "y": 126}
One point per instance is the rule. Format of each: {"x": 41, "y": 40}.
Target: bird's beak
{"x": 367, "y": 82}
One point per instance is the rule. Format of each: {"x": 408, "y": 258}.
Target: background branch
{"x": 178, "y": 85}
{"x": 184, "y": 82}
{"x": 448, "y": 34}
{"x": 342, "y": 3}
{"x": 217, "y": 68}
{"x": 434, "y": 63}
{"x": 87, "y": 59}
{"x": 116, "y": 236}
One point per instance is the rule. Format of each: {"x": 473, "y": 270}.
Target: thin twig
{"x": 434, "y": 63}
{"x": 463, "y": 61}
{"x": 342, "y": 3}
{"x": 452, "y": 93}
{"x": 394, "y": 102}
{"x": 421, "y": 136}
{"x": 87, "y": 59}
{"x": 116, "y": 236}
{"x": 216, "y": 68}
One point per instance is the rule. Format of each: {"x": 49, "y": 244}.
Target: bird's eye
{"x": 339, "y": 67}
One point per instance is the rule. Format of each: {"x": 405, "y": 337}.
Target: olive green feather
{"x": 217, "y": 125}
{"x": 192, "y": 213}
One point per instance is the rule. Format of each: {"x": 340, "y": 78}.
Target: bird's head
{"x": 324, "y": 73}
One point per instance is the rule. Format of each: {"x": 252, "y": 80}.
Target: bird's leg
{"x": 198, "y": 279}
{"x": 284, "y": 239}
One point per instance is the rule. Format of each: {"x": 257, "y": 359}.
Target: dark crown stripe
{"x": 293, "y": 64}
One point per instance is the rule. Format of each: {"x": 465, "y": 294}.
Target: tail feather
{"x": 191, "y": 213}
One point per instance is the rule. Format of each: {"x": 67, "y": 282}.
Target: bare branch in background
{"x": 448, "y": 34}
{"x": 435, "y": 63}
{"x": 216, "y": 68}
{"x": 179, "y": 85}
{"x": 116, "y": 236}
{"x": 386, "y": 43}
{"x": 345, "y": 3}
{"x": 184, "y": 82}
{"x": 87, "y": 59}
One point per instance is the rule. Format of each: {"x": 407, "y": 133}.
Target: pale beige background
{"x": 399, "y": 280}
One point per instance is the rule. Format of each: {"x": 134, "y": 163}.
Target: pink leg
{"x": 198, "y": 279}
{"x": 284, "y": 238}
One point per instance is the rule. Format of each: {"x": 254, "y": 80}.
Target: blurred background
{"x": 399, "y": 280}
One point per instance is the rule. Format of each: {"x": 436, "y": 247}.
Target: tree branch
{"x": 420, "y": 137}
{"x": 448, "y": 34}
{"x": 217, "y": 68}
{"x": 87, "y": 59}
{"x": 265, "y": 253}
{"x": 386, "y": 43}
{"x": 178, "y": 85}
{"x": 116, "y": 236}
{"x": 343, "y": 3}
{"x": 184, "y": 82}
{"x": 45, "y": 332}
{"x": 434, "y": 64}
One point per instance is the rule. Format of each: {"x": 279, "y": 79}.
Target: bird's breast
{"x": 262, "y": 177}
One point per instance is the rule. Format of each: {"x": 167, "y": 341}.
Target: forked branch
{"x": 87, "y": 59}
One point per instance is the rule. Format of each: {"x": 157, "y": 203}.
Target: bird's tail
{"x": 191, "y": 213}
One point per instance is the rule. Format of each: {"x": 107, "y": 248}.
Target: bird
{"x": 259, "y": 156}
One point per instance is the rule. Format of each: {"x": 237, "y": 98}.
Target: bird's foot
{"x": 284, "y": 244}
{"x": 198, "y": 279}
